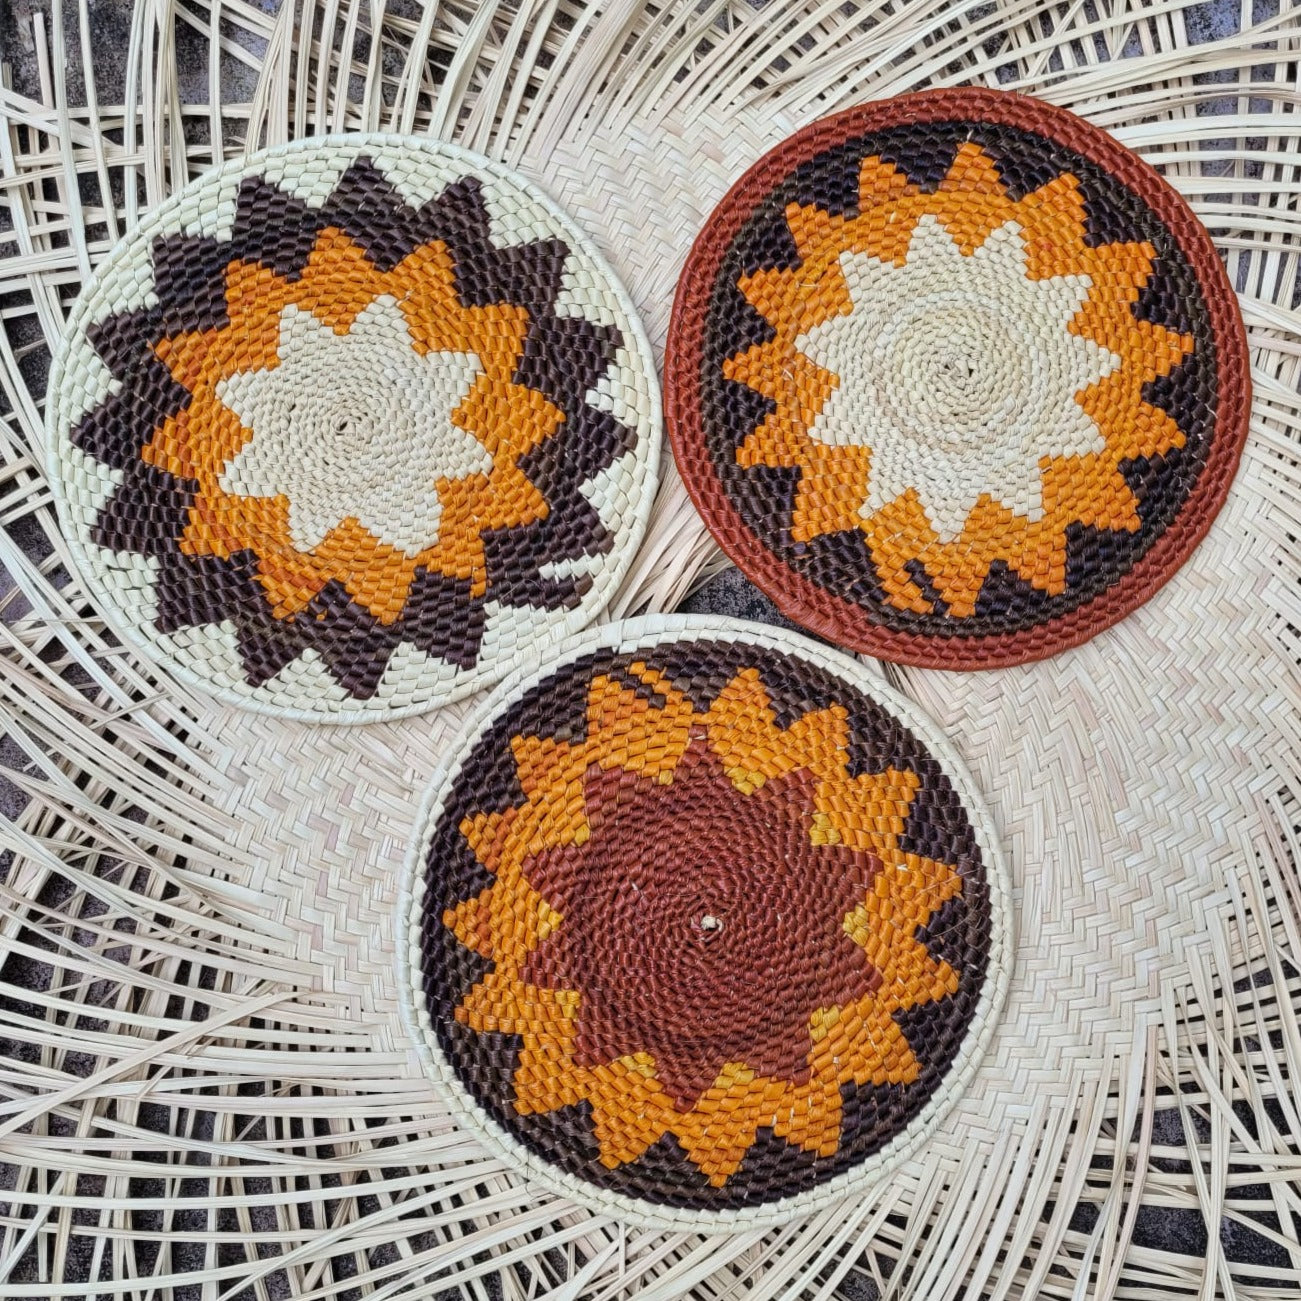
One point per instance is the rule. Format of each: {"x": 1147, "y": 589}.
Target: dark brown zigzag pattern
{"x": 563, "y": 359}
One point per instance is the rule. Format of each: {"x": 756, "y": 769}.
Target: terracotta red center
{"x": 701, "y": 924}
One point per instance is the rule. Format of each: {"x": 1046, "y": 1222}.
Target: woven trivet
{"x": 347, "y": 429}
{"x": 956, "y": 378}
{"x": 704, "y": 927}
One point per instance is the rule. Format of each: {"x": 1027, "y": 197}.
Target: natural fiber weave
{"x": 956, "y": 378}
{"x": 346, "y": 429}
{"x": 208, "y": 1090}
{"x": 706, "y": 928}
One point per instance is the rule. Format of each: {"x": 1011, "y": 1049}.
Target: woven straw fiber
{"x": 175, "y": 429}
{"x": 209, "y": 1091}
{"x": 1010, "y": 380}
{"x": 773, "y": 984}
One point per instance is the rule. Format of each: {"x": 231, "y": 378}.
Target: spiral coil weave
{"x": 956, "y": 379}
{"x": 704, "y": 928}
{"x": 347, "y": 429}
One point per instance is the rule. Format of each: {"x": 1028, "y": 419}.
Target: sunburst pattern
{"x": 375, "y": 418}
{"x": 338, "y": 283}
{"x": 643, "y": 735}
{"x": 1076, "y": 484}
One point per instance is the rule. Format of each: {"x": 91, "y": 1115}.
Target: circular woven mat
{"x": 704, "y": 926}
{"x": 956, "y": 378}
{"x": 345, "y": 429}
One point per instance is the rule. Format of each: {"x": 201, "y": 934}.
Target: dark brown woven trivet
{"x": 703, "y": 925}
{"x": 956, "y": 378}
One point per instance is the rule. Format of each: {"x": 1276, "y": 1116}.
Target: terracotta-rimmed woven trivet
{"x": 348, "y": 428}
{"x": 703, "y": 926}
{"x": 956, "y": 378}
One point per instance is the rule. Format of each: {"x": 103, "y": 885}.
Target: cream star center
{"x": 958, "y": 373}
{"x": 354, "y": 426}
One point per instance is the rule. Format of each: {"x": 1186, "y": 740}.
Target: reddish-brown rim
{"x": 845, "y": 622}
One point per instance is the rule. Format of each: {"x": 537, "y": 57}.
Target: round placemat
{"x": 956, "y": 378}
{"x": 347, "y": 428}
{"x": 704, "y": 926}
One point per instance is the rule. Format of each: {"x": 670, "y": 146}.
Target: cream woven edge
{"x": 156, "y": 222}
{"x": 642, "y": 634}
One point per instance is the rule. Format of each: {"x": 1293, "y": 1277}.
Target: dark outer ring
{"x": 845, "y": 622}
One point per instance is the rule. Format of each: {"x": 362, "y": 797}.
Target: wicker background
{"x": 24, "y": 1270}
